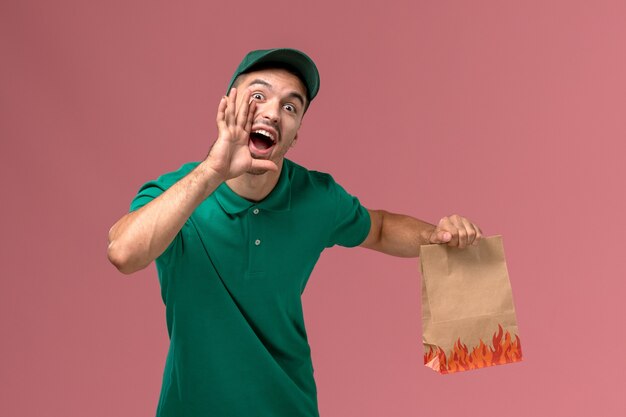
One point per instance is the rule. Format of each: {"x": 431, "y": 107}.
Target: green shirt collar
{"x": 279, "y": 199}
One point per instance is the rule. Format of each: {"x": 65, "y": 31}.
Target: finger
{"x": 470, "y": 230}
{"x": 440, "y": 236}
{"x": 221, "y": 114}
{"x": 251, "y": 110}
{"x": 230, "y": 107}
{"x": 441, "y": 233}
{"x": 479, "y": 235}
{"x": 242, "y": 111}
{"x": 452, "y": 225}
{"x": 461, "y": 231}
{"x": 264, "y": 164}
{"x": 471, "y": 234}
{"x": 444, "y": 236}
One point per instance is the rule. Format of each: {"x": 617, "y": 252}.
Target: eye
{"x": 290, "y": 108}
{"x": 257, "y": 96}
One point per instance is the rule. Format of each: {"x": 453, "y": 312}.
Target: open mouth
{"x": 262, "y": 140}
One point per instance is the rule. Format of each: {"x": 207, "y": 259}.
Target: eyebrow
{"x": 264, "y": 83}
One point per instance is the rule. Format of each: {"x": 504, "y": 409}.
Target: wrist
{"x": 208, "y": 177}
{"x": 213, "y": 170}
{"x": 426, "y": 234}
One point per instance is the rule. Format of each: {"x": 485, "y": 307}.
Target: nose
{"x": 270, "y": 111}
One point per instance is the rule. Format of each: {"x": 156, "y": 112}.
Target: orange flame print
{"x": 460, "y": 359}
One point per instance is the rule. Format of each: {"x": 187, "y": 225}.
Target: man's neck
{"x": 255, "y": 187}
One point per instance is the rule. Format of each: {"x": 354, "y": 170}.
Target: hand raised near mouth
{"x": 229, "y": 155}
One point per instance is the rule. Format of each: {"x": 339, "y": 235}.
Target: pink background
{"x": 510, "y": 113}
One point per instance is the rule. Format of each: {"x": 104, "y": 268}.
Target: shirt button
{"x": 255, "y": 211}
{"x": 257, "y": 242}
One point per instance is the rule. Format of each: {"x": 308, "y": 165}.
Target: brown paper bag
{"x": 467, "y": 307}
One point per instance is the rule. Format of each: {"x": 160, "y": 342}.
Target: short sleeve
{"x": 352, "y": 221}
{"x": 148, "y": 192}
{"x": 153, "y": 189}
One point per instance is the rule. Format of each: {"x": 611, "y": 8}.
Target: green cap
{"x": 291, "y": 58}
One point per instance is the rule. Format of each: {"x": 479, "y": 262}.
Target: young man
{"x": 235, "y": 238}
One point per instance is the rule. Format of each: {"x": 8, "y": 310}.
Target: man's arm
{"x": 400, "y": 235}
{"x": 140, "y": 237}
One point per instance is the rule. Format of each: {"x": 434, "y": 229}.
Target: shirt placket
{"x": 256, "y": 243}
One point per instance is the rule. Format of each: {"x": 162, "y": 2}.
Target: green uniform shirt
{"x": 232, "y": 280}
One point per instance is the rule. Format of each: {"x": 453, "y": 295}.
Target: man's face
{"x": 280, "y": 103}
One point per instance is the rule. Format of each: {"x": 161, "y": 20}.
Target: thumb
{"x": 440, "y": 236}
{"x": 264, "y": 164}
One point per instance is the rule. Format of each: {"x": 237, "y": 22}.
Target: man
{"x": 235, "y": 238}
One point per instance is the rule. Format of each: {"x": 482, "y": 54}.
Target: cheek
{"x": 290, "y": 133}
{"x": 293, "y": 126}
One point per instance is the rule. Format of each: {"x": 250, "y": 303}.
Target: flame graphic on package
{"x": 460, "y": 359}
